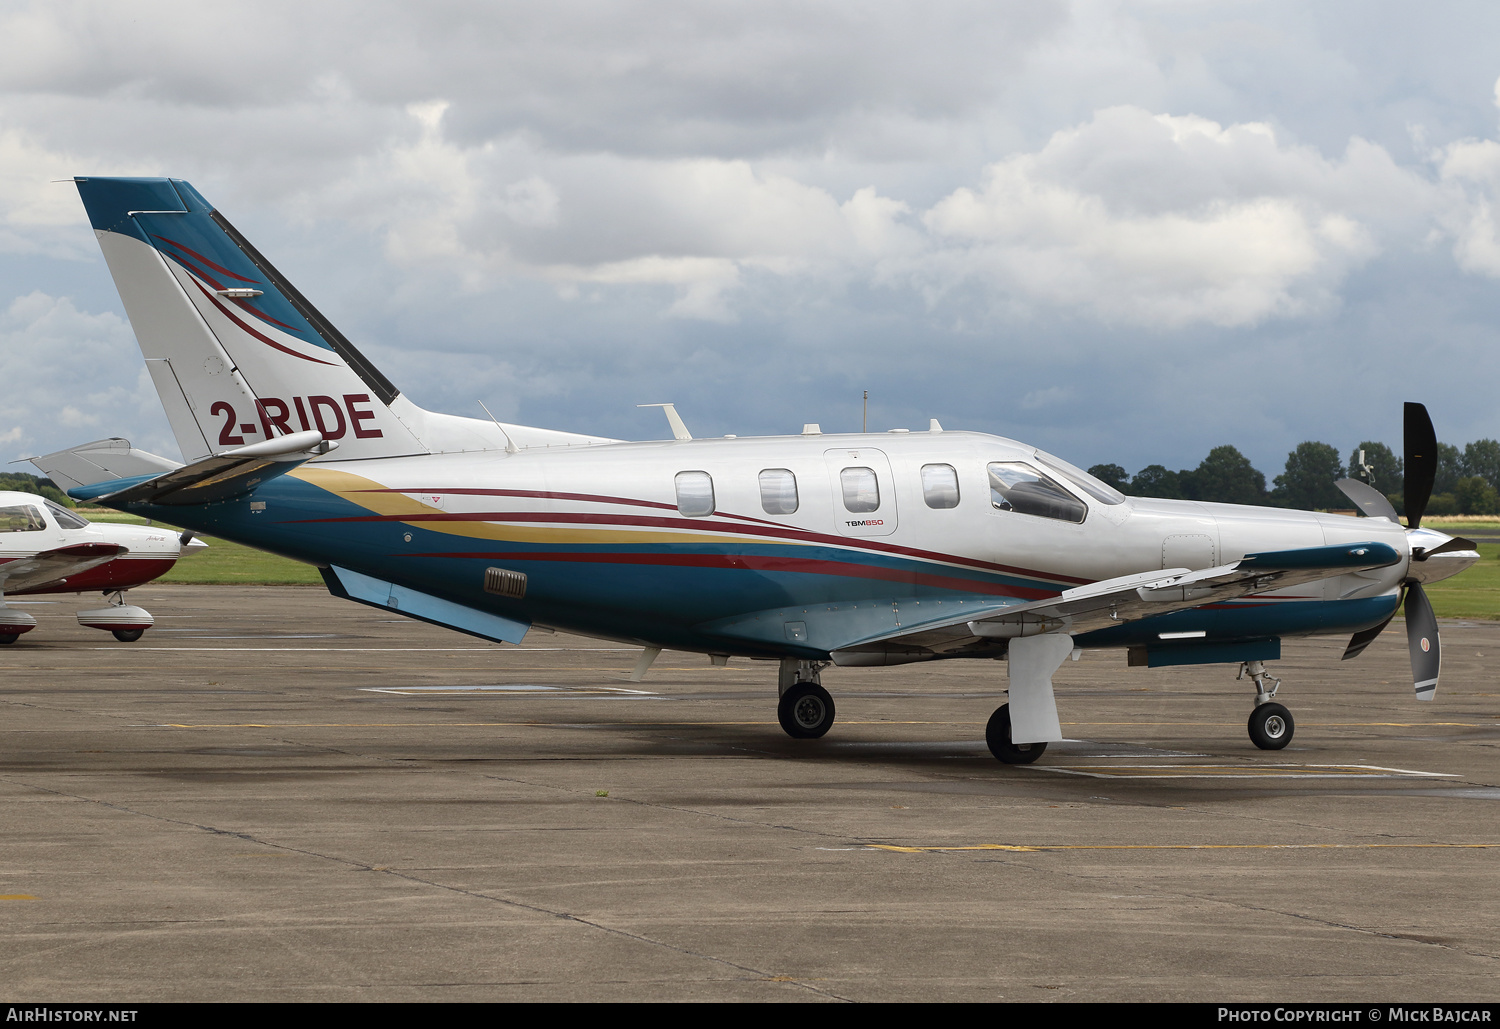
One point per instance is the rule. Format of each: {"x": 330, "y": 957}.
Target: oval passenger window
{"x": 861, "y": 489}
{"x": 695, "y": 494}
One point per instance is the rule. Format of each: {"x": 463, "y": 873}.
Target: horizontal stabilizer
{"x": 211, "y": 479}
{"x": 379, "y": 593}
{"x": 100, "y": 461}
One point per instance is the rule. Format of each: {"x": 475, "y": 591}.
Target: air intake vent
{"x": 505, "y": 583}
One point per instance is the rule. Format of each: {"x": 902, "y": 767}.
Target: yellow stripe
{"x": 368, "y": 494}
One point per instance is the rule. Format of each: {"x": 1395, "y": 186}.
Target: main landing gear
{"x": 805, "y": 709}
{"x": 1271, "y": 725}
{"x": 126, "y": 622}
{"x": 997, "y": 735}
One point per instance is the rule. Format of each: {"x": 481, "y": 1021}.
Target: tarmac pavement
{"x": 280, "y": 796}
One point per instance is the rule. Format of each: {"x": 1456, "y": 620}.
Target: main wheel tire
{"x": 1271, "y": 726}
{"x": 997, "y": 735}
{"x": 7, "y": 638}
{"x": 805, "y": 711}
{"x": 128, "y": 635}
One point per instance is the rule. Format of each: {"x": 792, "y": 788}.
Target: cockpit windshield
{"x": 1100, "y": 491}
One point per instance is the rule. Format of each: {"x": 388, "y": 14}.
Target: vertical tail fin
{"x": 238, "y": 355}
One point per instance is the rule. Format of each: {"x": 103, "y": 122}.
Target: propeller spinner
{"x": 1421, "y": 454}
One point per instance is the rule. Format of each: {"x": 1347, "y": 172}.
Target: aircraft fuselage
{"x": 798, "y": 545}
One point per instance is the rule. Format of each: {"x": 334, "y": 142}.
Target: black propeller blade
{"x": 1421, "y": 462}
{"x": 1422, "y": 641}
{"x": 1362, "y": 639}
{"x": 1420, "y": 442}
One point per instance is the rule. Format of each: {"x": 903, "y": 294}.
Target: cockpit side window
{"x": 1020, "y": 488}
{"x": 21, "y": 518}
{"x": 64, "y": 518}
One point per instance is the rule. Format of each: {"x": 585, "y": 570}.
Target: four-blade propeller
{"x": 1421, "y": 457}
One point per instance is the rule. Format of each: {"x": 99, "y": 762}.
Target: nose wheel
{"x": 997, "y": 735}
{"x": 1271, "y": 725}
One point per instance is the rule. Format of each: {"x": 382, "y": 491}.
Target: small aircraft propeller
{"x": 1420, "y": 441}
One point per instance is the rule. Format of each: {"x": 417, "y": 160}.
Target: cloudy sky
{"x": 1125, "y": 232}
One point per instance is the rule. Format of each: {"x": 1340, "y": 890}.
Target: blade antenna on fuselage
{"x": 510, "y": 446}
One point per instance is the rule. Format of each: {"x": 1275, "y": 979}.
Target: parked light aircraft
{"x": 45, "y": 548}
{"x": 855, "y": 549}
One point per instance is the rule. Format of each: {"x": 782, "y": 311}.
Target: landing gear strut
{"x": 1271, "y": 725}
{"x": 805, "y": 709}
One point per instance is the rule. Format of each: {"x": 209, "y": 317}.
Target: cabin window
{"x": 861, "y": 490}
{"x": 940, "y": 486}
{"x": 695, "y": 494}
{"x": 778, "y": 491}
{"x": 65, "y": 518}
{"x": 1023, "y": 489}
{"x": 21, "y": 518}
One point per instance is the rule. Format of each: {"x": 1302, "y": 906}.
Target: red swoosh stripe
{"x": 205, "y": 261}
{"x": 769, "y": 529}
{"x": 267, "y": 340}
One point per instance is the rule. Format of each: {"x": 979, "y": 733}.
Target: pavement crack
{"x": 355, "y": 865}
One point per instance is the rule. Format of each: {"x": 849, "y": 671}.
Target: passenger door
{"x": 864, "y": 492}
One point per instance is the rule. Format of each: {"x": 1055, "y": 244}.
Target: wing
{"x": 1129, "y": 598}
{"x": 49, "y": 566}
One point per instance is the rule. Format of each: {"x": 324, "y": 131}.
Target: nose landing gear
{"x": 997, "y": 735}
{"x": 1271, "y": 725}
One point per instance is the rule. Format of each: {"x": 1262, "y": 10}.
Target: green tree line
{"x": 23, "y": 483}
{"x": 1465, "y": 484}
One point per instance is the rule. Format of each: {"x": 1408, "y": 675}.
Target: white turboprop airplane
{"x": 860, "y": 549}
{"x": 45, "y": 548}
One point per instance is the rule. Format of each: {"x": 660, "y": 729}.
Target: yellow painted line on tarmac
{"x": 16, "y": 896}
{"x": 1039, "y": 848}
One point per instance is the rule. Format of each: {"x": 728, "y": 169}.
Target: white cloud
{"x": 1162, "y": 220}
{"x": 69, "y": 374}
{"x": 838, "y": 189}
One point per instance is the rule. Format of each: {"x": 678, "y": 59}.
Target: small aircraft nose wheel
{"x": 128, "y": 635}
{"x": 805, "y": 711}
{"x": 1271, "y": 726}
{"x": 997, "y": 735}
{"x": 7, "y": 638}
